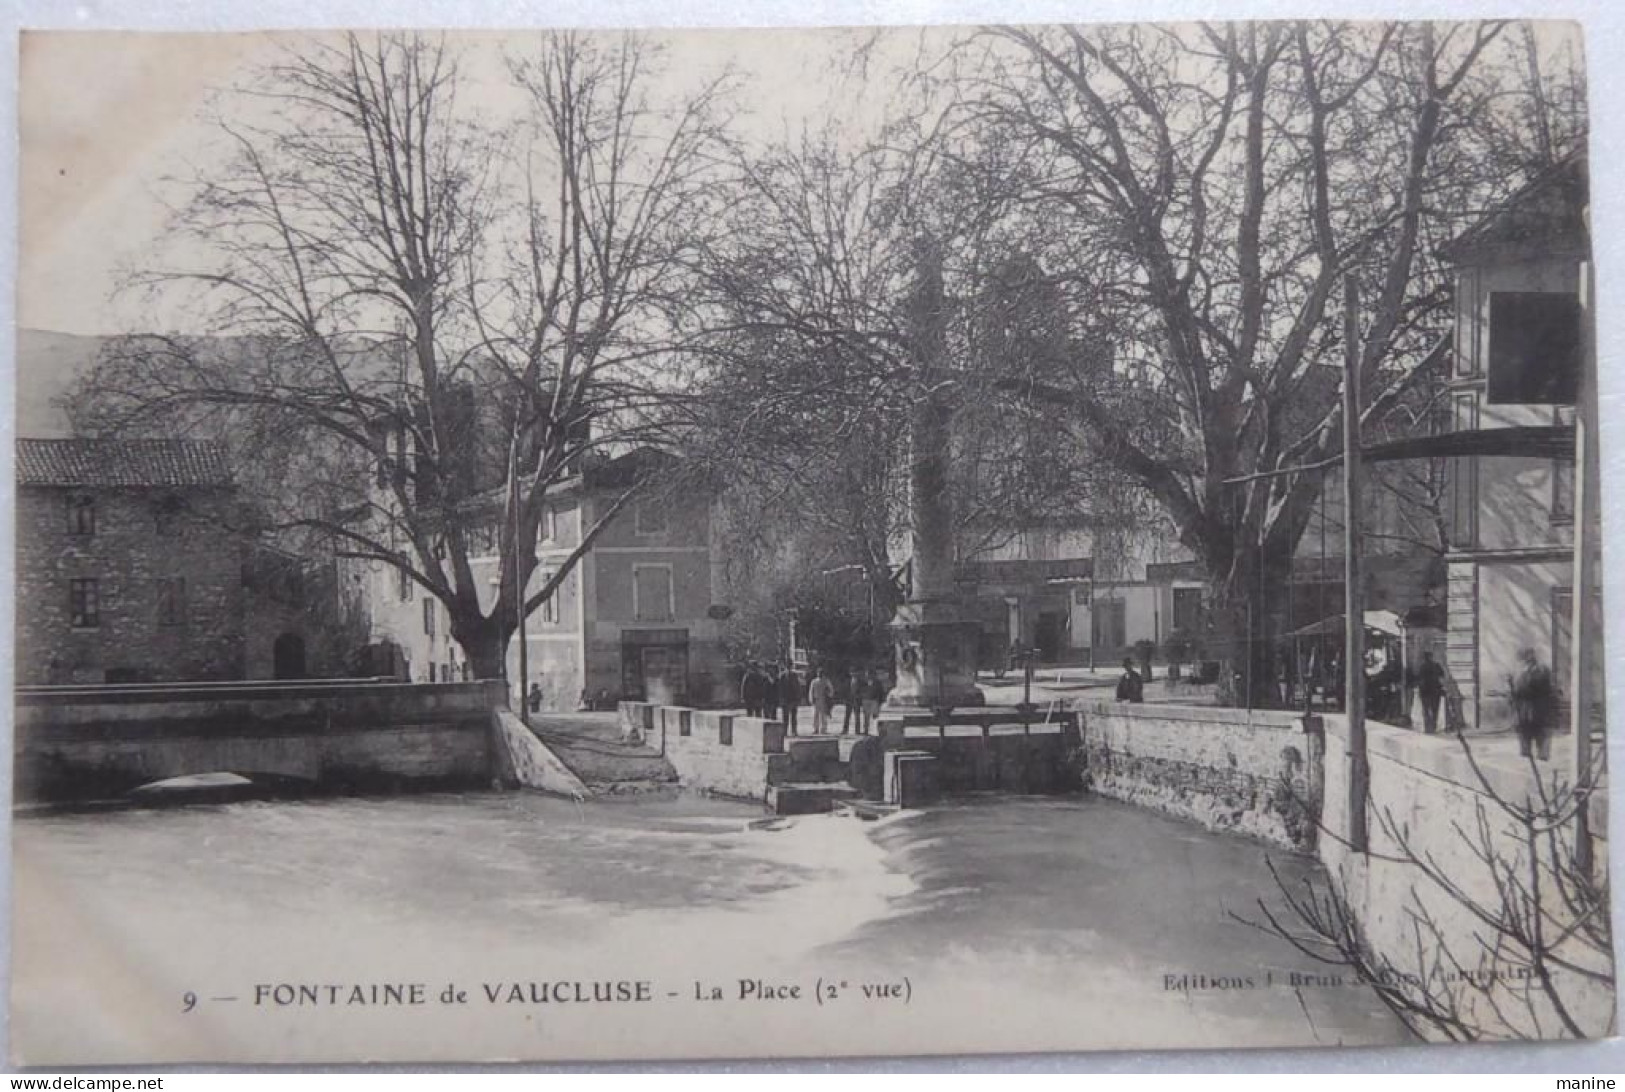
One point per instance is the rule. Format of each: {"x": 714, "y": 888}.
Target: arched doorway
{"x": 288, "y": 657}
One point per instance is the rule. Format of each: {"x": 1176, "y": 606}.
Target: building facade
{"x": 632, "y": 619}
{"x": 1074, "y": 600}
{"x": 1523, "y": 347}
{"x": 128, "y": 571}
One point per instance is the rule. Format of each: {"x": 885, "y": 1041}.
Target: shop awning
{"x": 1379, "y": 621}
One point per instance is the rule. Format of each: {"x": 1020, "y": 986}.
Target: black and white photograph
{"x": 610, "y": 545}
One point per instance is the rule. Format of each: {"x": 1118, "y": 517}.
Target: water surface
{"x": 1011, "y": 924}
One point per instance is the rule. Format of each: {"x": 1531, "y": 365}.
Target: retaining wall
{"x": 752, "y": 759}
{"x": 712, "y": 751}
{"x": 1443, "y": 903}
{"x": 1432, "y": 815}
{"x": 975, "y": 752}
{"x": 83, "y": 743}
{"x": 1253, "y": 773}
{"x": 520, "y": 760}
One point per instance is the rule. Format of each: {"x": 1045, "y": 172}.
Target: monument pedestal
{"x": 936, "y": 656}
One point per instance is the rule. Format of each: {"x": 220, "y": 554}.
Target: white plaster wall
{"x": 1427, "y": 795}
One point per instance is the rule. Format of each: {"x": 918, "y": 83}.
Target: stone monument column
{"x": 936, "y": 639}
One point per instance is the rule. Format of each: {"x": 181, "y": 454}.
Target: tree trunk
{"x": 1250, "y": 617}
{"x": 485, "y": 645}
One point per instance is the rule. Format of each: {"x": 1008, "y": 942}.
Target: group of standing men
{"x": 776, "y": 691}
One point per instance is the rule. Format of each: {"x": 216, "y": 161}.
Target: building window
{"x": 550, "y": 606}
{"x": 84, "y": 603}
{"x": 1188, "y": 611}
{"x": 172, "y": 601}
{"x": 81, "y": 515}
{"x": 1534, "y": 348}
{"x": 1563, "y": 474}
{"x": 167, "y": 521}
{"x": 1464, "y": 476}
{"x": 550, "y": 524}
{"x": 428, "y": 615}
{"x": 651, "y": 519}
{"x": 432, "y": 672}
{"x": 403, "y": 584}
{"x": 1466, "y": 349}
{"x": 652, "y": 593}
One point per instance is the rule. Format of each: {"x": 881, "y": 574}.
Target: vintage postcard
{"x": 579, "y": 545}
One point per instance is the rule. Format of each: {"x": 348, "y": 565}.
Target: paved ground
{"x": 590, "y": 744}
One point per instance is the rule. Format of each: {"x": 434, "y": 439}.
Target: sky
{"x": 98, "y": 155}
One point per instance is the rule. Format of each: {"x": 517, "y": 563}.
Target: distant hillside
{"x": 48, "y": 364}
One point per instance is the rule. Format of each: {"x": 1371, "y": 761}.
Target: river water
{"x": 1000, "y": 924}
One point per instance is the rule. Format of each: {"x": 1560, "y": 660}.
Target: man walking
{"x": 1430, "y": 688}
{"x": 790, "y": 696}
{"x": 821, "y": 695}
{"x": 846, "y": 692}
{"x": 771, "y": 684}
{"x": 874, "y": 694}
{"x": 751, "y": 685}
{"x": 1534, "y": 705}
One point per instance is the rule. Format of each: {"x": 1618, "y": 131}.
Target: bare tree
{"x": 818, "y": 359}
{"x": 1219, "y": 183}
{"x": 404, "y": 294}
{"x": 1509, "y": 932}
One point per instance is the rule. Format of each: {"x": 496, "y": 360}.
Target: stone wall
{"x": 100, "y": 742}
{"x": 1435, "y": 828}
{"x": 975, "y": 753}
{"x": 751, "y": 758}
{"x": 1227, "y": 769}
{"x": 127, "y": 556}
{"x": 521, "y": 760}
{"x": 719, "y": 752}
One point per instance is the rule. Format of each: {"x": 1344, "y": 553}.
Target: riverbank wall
{"x": 750, "y": 758}
{"x": 1246, "y": 772}
{"x": 100, "y": 742}
{"x": 1472, "y": 898}
{"x": 1472, "y": 902}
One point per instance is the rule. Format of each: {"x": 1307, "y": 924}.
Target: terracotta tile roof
{"x": 122, "y": 463}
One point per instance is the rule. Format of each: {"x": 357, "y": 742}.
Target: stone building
{"x": 128, "y": 570}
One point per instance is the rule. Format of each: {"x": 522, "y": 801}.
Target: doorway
{"x": 1049, "y": 635}
{"x": 288, "y": 657}
{"x": 1109, "y": 621}
{"x": 655, "y": 671}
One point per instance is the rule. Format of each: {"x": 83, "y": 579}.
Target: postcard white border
{"x": 1605, "y": 44}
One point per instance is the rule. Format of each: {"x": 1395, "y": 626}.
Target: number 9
{"x": 191, "y": 1001}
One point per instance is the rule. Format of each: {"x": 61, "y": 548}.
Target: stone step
{"x": 808, "y": 797}
{"x": 867, "y": 809}
{"x": 813, "y": 759}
